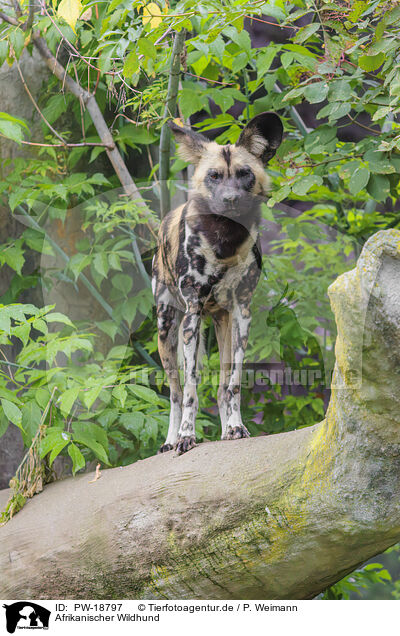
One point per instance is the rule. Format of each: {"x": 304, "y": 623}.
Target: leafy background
{"x": 80, "y": 374}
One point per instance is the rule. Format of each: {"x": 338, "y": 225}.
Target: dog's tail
{"x": 201, "y": 350}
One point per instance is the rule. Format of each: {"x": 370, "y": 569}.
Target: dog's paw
{"x": 184, "y": 444}
{"x": 164, "y": 448}
{"x": 237, "y": 432}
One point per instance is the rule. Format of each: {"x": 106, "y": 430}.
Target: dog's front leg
{"x": 241, "y": 319}
{"x": 191, "y": 339}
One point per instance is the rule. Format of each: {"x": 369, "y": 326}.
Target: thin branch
{"x": 8, "y": 365}
{"x": 9, "y": 19}
{"x": 276, "y": 24}
{"x": 376, "y": 132}
{"x": 28, "y": 24}
{"x": 35, "y": 104}
{"x": 210, "y": 80}
{"x": 63, "y": 145}
{"x": 81, "y": 104}
{"x": 169, "y": 111}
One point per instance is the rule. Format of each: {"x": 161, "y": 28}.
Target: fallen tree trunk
{"x": 282, "y": 516}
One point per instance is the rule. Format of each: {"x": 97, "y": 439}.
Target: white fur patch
{"x": 258, "y": 144}
{"x": 201, "y": 351}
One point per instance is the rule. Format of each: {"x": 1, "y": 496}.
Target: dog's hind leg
{"x": 168, "y": 321}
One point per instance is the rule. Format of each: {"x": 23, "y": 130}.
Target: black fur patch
{"x": 227, "y": 155}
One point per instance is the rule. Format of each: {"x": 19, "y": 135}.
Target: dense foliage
{"x": 89, "y": 386}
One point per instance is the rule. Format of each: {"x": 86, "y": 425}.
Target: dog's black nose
{"x": 230, "y": 198}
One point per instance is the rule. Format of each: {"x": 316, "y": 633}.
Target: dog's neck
{"x": 224, "y": 233}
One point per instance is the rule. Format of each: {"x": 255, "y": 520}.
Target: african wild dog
{"x": 208, "y": 261}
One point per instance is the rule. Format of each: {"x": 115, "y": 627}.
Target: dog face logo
{"x": 26, "y": 615}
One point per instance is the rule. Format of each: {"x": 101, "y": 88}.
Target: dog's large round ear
{"x": 262, "y": 136}
{"x": 191, "y": 144}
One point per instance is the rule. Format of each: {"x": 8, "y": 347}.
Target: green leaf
{"x": 241, "y": 38}
{"x": 265, "y": 59}
{"x": 12, "y": 412}
{"x": 68, "y": 399}
{"x": 133, "y": 422}
{"x": 120, "y": 393}
{"x": 144, "y": 393}
{"x": 340, "y": 90}
{"x": 5, "y": 320}
{"x": 11, "y": 131}
{"x": 100, "y": 263}
{"x": 31, "y": 417}
{"x": 379, "y": 163}
{"x": 123, "y": 282}
{"x": 136, "y": 135}
{"x": 55, "y": 435}
{"x": 189, "y": 102}
{"x": 359, "y": 179}
{"x": 371, "y": 62}
{"x": 239, "y": 62}
{"x": 23, "y": 332}
{"x": 302, "y": 187}
{"x": 131, "y": 64}
{"x": 13, "y": 256}
{"x": 378, "y": 187}
{"x": 147, "y": 48}
{"x": 317, "y": 92}
{"x": 56, "y": 450}
{"x": 17, "y": 41}
{"x": 306, "y": 32}
{"x": 382, "y": 112}
{"x": 334, "y": 110}
{"x": 114, "y": 261}
{"x": 150, "y": 430}
{"x": 293, "y": 231}
{"x": 109, "y": 327}
{"x": 97, "y": 448}
{"x": 287, "y": 59}
{"x": 4, "y": 423}
{"x": 94, "y": 431}
{"x": 90, "y": 396}
{"x": 223, "y": 100}
{"x": 78, "y": 460}
{"x": 58, "y": 317}
{"x": 78, "y": 262}
{"x": 3, "y": 51}
{"x": 358, "y": 8}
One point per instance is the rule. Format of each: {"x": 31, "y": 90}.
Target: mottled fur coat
{"x": 208, "y": 261}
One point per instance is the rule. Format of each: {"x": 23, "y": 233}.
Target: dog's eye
{"x": 214, "y": 175}
{"x": 243, "y": 172}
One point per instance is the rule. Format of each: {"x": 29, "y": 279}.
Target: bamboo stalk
{"x": 169, "y": 111}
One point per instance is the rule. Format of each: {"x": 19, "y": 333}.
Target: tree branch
{"x": 49, "y": 126}
{"x": 28, "y": 24}
{"x": 278, "y": 517}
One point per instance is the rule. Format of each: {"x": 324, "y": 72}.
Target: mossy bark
{"x": 282, "y": 516}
